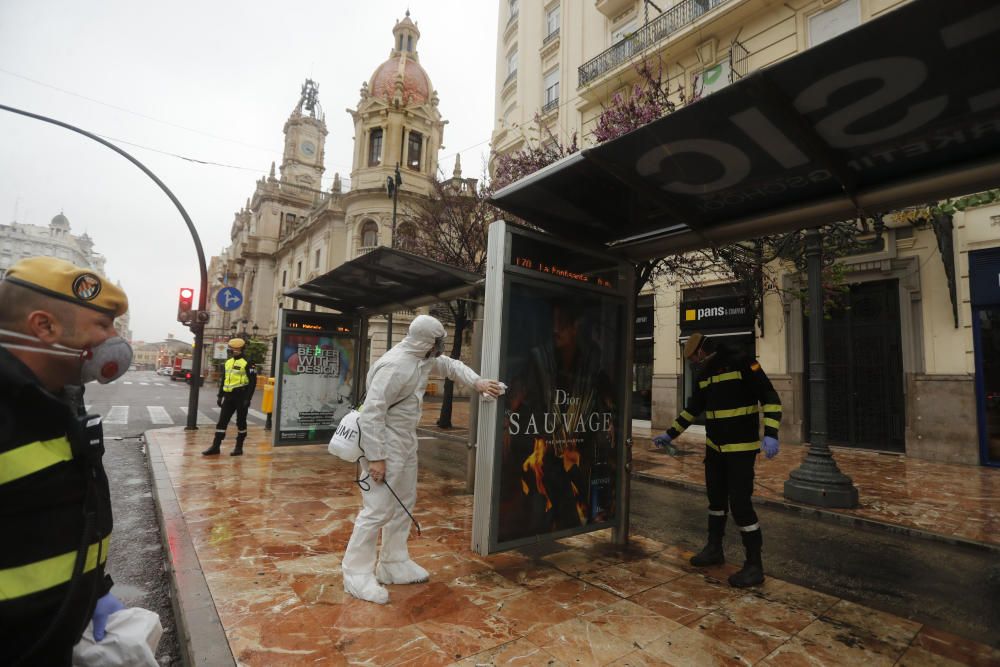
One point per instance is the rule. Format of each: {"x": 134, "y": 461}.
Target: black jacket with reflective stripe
{"x": 728, "y": 393}
{"x": 51, "y": 477}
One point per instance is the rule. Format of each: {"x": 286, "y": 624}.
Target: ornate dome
{"x": 403, "y": 67}
{"x": 416, "y": 88}
{"x": 60, "y": 221}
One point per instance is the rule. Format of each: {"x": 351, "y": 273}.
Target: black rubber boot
{"x": 752, "y": 573}
{"x": 238, "y": 451}
{"x": 216, "y": 445}
{"x": 712, "y": 553}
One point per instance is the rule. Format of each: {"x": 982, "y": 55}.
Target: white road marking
{"x": 158, "y": 414}
{"x": 257, "y": 413}
{"x": 145, "y": 384}
{"x": 126, "y": 383}
{"x": 117, "y": 415}
{"x": 202, "y": 417}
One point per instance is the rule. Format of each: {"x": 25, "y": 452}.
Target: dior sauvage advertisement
{"x": 316, "y": 381}
{"x": 559, "y": 439}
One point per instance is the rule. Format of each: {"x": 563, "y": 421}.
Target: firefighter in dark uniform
{"x": 728, "y": 393}
{"x": 235, "y": 393}
{"x": 56, "y": 333}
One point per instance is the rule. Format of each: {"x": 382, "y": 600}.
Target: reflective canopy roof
{"x": 386, "y": 280}
{"x": 902, "y": 110}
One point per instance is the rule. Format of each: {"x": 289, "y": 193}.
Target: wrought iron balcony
{"x": 551, "y": 105}
{"x": 549, "y": 37}
{"x": 660, "y": 28}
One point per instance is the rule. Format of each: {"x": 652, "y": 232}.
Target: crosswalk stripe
{"x": 202, "y": 417}
{"x": 126, "y": 382}
{"x": 117, "y": 415}
{"x": 257, "y": 413}
{"x": 144, "y": 384}
{"x": 158, "y": 414}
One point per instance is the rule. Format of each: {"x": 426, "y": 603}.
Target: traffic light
{"x": 185, "y": 305}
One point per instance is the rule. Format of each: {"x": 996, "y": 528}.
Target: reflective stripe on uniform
{"x": 41, "y": 575}
{"x": 773, "y": 423}
{"x": 716, "y": 512}
{"x": 733, "y": 412}
{"x": 749, "y": 529}
{"x": 687, "y": 415}
{"x": 32, "y": 457}
{"x": 721, "y": 377}
{"x": 771, "y": 407}
{"x": 733, "y": 446}
{"x": 677, "y": 426}
{"x": 235, "y": 375}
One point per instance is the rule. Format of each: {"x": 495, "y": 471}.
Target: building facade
{"x": 19, "y": 240}
{"x": 291, "y": 230}
{"x": 911, "y": 347}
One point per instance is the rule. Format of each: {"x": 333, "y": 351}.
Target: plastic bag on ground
{"x": 131, "y": 640}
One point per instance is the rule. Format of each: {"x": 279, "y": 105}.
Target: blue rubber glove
{"x": 770, "y": 446}
{"x": 662, "y": 441}
{"x": 106, "y": 606}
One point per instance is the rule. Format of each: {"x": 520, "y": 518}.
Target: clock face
{"x": 308, "y": 148}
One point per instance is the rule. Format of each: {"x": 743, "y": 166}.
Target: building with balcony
{"x": 910, "y": 351}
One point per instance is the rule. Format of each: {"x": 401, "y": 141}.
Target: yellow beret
{"x": 692, "y": 345}
{"x": 237, "y": 343}
{"x": 62, "y": 280}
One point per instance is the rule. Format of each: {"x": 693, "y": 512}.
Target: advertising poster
{"x": 317, "y": 378}
{"x": 559, "y": 440}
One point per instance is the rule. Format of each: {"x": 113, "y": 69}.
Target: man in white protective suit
{"x": 388, "y": 424}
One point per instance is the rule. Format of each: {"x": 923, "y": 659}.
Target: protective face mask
{"x": 102, "y": 363}
{"x": 439, "y": 346}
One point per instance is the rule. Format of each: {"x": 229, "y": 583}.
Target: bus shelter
{"x": 903, "y": 110}
{"x": 321, "y": 357}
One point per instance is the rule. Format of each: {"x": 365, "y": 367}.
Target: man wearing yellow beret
{"x": 56, "y": 333}
{"x": 235, "y": 393}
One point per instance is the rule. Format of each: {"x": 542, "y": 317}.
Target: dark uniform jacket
{"x": 728, "y": 392}
{"x": 54, "y": 499}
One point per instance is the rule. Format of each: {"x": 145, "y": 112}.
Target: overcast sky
{"x": 210, "y": 80}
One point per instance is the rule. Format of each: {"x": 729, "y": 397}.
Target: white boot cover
{"x": 365, "y": 587}
{"x": 405, "y": 572}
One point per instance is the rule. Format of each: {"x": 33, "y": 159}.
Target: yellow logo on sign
{"x": 690, "y": 315}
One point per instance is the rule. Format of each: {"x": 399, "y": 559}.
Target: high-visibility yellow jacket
{"x": 236, "y": 374}
{"x": 728, "y": 393}
{"x": 54, "y": 505}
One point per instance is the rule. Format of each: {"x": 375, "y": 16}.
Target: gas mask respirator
{"x": 103, "y": 363}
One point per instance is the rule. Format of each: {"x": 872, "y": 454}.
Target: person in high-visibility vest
{"x": 728, "y": 391}
{"x": 56, "y": 334}
{"x": 235, "y": 393}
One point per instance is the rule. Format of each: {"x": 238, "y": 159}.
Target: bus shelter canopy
{"x": 386, "y": 280}
{"x": 903, "y": 110}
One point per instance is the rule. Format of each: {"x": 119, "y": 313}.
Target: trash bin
{"x": 267, "y": 402}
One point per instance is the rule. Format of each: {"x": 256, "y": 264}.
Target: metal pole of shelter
{"x": 818, "y": 481}
{"x": 197, "y": 327}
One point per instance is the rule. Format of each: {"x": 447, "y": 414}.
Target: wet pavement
{"x": 264, "y": 534}
{"x": 959, "y": 503}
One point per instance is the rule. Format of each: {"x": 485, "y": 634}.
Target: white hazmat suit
{"x": 388, "y": 424}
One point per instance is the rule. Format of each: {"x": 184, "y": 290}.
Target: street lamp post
{"x": 392, "y": 184}
{"x": 818, "y": 481}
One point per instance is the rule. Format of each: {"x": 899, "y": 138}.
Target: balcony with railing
{"x": 550, "y": 106}
{"x": 663, "y": 26}
{"x": 364, "y": 250}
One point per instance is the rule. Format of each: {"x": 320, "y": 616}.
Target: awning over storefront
{"x": 386, "y": 280}
{"x": 903, "y": 110}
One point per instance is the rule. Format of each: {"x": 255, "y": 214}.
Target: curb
{"x": 199, "y": 629}
{"x": 827, "y": 515}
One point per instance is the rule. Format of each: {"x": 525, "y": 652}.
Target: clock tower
{"x": 305, "y": 141}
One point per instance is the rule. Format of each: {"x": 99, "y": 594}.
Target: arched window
{"x": 414, "y": 145}
{"x": 409, "y": 43}
{"x": 369, "y": 234}
{"x": 406, "y": 236}
{"x": 375, "y": 147}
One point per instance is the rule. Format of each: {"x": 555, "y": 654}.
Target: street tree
{"x": 451, "y": 227}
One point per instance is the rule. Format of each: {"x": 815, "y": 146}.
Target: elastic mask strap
{"x": 55, "y": 349}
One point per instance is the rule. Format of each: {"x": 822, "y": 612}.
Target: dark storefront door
{"x": 864, "y": 367}
{"x": 984, "y": 288}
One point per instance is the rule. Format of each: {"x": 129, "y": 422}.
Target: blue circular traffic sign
{"x": 229, "y": 298}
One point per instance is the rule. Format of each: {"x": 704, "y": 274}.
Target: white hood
{"x": 424, "y": 330}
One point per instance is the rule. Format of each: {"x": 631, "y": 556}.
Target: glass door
{"x": 987, "y": 344}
